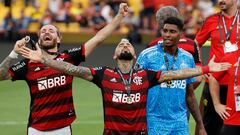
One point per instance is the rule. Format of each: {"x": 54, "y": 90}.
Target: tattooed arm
{"x": 193, "y": 108}
{"x": 11, "y": 59}
{"x": 4, "y": 66}
{"x": 192, "y": 72}
{"x": 68, "y": 68}
{"x": 79, "y": 71}
{"x": 180, "y": 74}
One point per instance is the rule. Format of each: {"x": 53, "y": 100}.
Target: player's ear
{"x": 181, "y": 34}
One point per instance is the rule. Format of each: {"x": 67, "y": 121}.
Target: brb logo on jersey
{"x": 123, "y": 98}
{"x": 44, "y": 83}
{"x": 180, "y": 84}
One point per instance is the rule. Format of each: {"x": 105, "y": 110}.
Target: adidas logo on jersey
{"x": 113, "y": 80}
{"x": 37, "y": 69}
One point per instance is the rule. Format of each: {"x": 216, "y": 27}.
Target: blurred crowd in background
{"x": 91, "y": 15}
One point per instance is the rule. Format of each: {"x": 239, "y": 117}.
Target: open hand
{"x": 35, "y": 55}
{"x": 217, "y": 67}
{"x": 20, "y": 43}
{"x": 222, "y": 111}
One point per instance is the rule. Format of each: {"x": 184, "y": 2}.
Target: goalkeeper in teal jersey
{"x": 167, "y": 102}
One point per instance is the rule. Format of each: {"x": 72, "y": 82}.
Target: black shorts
{"x": 230, "y": 130}
{"x": 211, "y": 120}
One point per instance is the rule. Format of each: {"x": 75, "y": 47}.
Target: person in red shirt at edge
{"x": 222, "y": 29}
{"x": 185, "y": 43}
{"x": 52, "y": 109}
{"x": 124, "y": 88}
{"x": 231, "y": 112}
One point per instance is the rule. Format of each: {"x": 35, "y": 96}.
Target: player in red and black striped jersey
{"x": 51, "y": 108}
{"x": 51, "y": 91}
{"x": 124, "y": 89}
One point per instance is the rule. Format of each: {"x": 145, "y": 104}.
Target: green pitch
{"x": 15, "y": 100}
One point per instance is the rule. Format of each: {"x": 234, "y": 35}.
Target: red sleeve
{"x": 92, "y": 71}
{"x": 158, "y": 75}
{"x": 204, "y": 33}
{"x": 154, "y": 42}
{"x": 219, "y": 75}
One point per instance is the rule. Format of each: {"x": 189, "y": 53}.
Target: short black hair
{"x": 175, "y": 21}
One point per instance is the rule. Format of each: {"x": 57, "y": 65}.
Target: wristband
{"x": 205, "y": 69}
{"x": 13, "y": 55}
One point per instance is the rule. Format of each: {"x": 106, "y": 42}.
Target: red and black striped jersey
{"x": 120, "y": 116}
{"x": 186, "y": 44}
{"x": 51, "y": 104}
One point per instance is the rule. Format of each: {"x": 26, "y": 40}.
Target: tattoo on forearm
{"x": 70, "y": 69}
{"x": 4, "y": 66}
{"x": 180, "y": 74}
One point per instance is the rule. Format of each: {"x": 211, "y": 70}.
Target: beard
{"x": 47, "y": 46}
{"x": 125, "y": 56}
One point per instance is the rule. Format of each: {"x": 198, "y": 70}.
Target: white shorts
{"x": 61, "y": 131}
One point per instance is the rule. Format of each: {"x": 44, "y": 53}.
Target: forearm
{"x": 68, "y": 68}
{"x": 102, "y": 34}
{"x": 214, "y": 90}
{"x": 180, "y": 74}
{"x": 6, "y": 64}
{"x": 193, "y": 106}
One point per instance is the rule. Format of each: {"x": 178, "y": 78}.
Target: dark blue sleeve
{"x": 98, "y": 73}
{"x": 77, "y": 54}
{"x": 19, "y": 70}
{"x": 153, "y": 77}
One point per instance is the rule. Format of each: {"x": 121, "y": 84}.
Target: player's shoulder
{"x": 150, "y": 50}
{"x": 184, "y": 53}
{"x": 213, "y": 17}
{"x": 185, "y": 40}
{"x": 155, "y": 42}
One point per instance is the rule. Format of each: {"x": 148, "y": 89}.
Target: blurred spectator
{"x": 98, "y": 21}
{"x": 206, "y": 8}
{"x": 47, "y": 18}
{"x": 27, "y": 2}
{"x": 18, "y": 14}
{"x": 131, "y": 19}
{"x": 147, "y": 14}
{"x": 27, "y": 13}
{"x": 54, "y": 6}
{"x": 106, "y": 11}
{"x": 61, "y": 15}
{"x": 37, "y": 15}
{"x": 76, "y": 11}
{"x": 115, "y": 4}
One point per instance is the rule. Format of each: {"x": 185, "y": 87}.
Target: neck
{"x": 171, "y": 49}
{"x": 46, "y": 54}
{"x": 125, "y": 65}
{"x": 230, "y": 12}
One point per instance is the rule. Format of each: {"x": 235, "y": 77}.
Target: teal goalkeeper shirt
{"x": 166, "y": 106}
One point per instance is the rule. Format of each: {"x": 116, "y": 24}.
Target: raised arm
{"x": 107, "y": 30}
{"x": 36, "y": 55}
{"x": 11, "y": 59}
{"x": 192, "y": 72}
